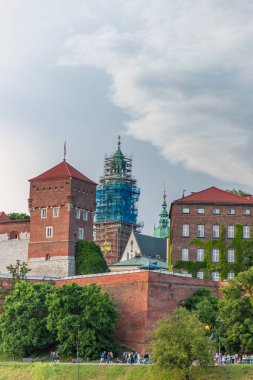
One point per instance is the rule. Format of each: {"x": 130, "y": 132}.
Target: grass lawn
{"x": 48, "y": 371}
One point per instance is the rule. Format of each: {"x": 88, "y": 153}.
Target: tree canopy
{"x": 18, "y": 216}
{"x": 179, "y": 340}
{"x": 23, "y": 323}
{"x": 236, "y": 314}
{"x": 84, "y": 313}
{"x": 89, "y": 258}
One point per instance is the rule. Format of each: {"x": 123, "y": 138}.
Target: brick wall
{"x": 142, "y": 297}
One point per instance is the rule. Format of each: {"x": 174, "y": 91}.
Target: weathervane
{"x": 64, "y": 151}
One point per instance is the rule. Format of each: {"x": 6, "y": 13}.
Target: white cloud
{"x": 183, "y": 72}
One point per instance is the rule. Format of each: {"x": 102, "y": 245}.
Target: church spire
{"x": 162, "y": 230}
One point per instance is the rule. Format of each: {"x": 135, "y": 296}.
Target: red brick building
{"x": 62, "y": 205}
{"x": 202, "y": 215}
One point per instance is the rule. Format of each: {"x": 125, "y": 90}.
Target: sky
{"x": 172, "y": 77}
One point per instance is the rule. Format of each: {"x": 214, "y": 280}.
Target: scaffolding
{"x": 117, "y": 193}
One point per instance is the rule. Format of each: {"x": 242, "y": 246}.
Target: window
{"x": 216, "y": 211}
{"x": 231, "y": 232}
{"x": 231, "y": 275}
{"x": 246, "y": 232}
{"x": 185, "y": 230}
{"x": 85, "y": 215}
{"x": 78, "y": 213}
{"x": 215, "y": 276}
{"x": 216, "y": 231}
{"x": 43, "y": 212}
{"x": 55, "y": 212}
{"x": 200, "y": 274}
{"x": 185, "y": 254}
{"x": 231, "y": 256}
{"x": 49, "y": 232}
{"x": 47, "y": 257}
{"x": 186, "y": 210}
{"x": 13, "y": 235}
{"x": 200, "y": 254}
{"x": 246, "y": 212}
{"x": 80, "y": 233}
{"x": 201, "y": 211}
{"x": 201, "y": 230}
{"x": 215, "y": 255}
{"x": 231, "y": 212}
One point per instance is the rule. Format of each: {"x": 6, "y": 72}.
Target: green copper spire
{"x": 163, "y": 230}
{"x": 118, "y": 162}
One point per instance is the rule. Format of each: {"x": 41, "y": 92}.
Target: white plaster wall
{"x": 59, "y": 266}
{"x": 131, "y": 250}
{"x": 13, "y": 250}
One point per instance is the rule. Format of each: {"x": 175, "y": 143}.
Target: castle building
{"x": 163, "y": 229}
{"x": 61, "y": 203}
{"x": 116, "y": 212}
{"x": 204, "y": 215}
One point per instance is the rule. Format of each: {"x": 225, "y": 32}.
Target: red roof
{"x": 62, "y": 170}
{"x": 215, "y": 195}
{"x": 3, "y": 217}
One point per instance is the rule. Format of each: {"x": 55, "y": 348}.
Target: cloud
{"x": 183, "y": 72}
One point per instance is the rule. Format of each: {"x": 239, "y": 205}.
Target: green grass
{"x": 48, "y": 371}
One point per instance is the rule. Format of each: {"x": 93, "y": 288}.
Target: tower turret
{"x": 163, "y": 230}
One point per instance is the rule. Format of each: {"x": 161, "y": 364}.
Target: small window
{"x": 55, "y": 212}
{"x": 231, "y": 232}
{"x": 49, "y": 232}
{"x": 200, "y": 274}
{"x": 231, "y": 212}
{"x": 13, "y": 235}
{"x": 85, "y": 215}
{"x": 201, "y": 211}
{"x": 186, "y": 210}
{"x": 246, "y": 232}
{"x": 201, "y": 230}
{"x": 185, "y": 254}
{"x": 185, "y": 230}
{"x": 216, "y": 211}
{"x": 215, "y": 255}
{"x": 215, "y": 276}
{"x": 246, "y": 212}
{"x": 200, "y": 254}
{"x": 78, "y": 213}
{"x": 231, "y": 275}
{"x": 216, "y": 231}
{"x": 231, "y": 256}
{"x": 43, "y": 212}
{"x": 81, "y": 234}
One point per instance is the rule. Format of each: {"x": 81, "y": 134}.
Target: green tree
{"x": 204, "y": 304}
{"x": 18, "y": 216}
{"x": 239, "y": 192}
{"x": 179, "y": 340}
{"x": 236, "y": 314}
{"x": 83, "y": 311}
{"x": 23, "y": 323}
{"x": 89, "y": 258}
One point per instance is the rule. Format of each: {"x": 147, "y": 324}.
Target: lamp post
{"x": 77, "y": 351}
{"x": 219, "y": 337}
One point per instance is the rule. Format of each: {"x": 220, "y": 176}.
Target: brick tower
{"x": 116, "y": 212}
{"x": 62, "y": 204}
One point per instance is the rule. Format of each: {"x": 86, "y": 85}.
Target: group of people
{"x": 233, "y": 359}
{"x": 54, "y": 357}
{"x": 127, "y": 358}
{"x": 106, "y": 357}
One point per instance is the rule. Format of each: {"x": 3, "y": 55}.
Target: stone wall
{"x": 56, "y": 266}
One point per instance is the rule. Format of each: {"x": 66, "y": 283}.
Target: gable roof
{"x": 151, "y": 246}
{"x": 3, "y": 217}
{"x": 215, "y": 195}
{"x": 62, "y": 170}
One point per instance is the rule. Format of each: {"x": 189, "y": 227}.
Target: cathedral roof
{"x": 151, "y": 246}
{"x": 215, "y": 195}
{"x": 62, "y": 170}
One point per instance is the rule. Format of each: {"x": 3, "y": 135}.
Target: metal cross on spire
{"x": 119, "y": 141}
